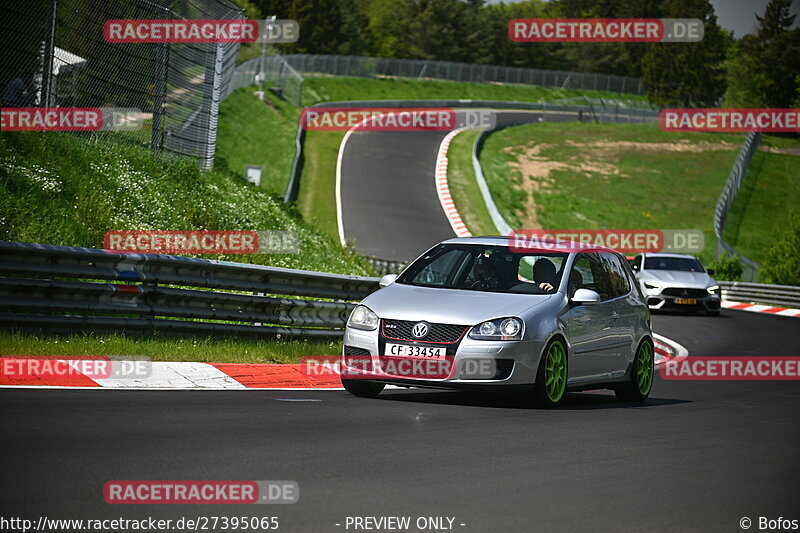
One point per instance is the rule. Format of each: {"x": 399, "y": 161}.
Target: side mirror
{"x": 585, "y": 297}
{"x": 635, "y": 268}
{"x": 711, "y": 271}
{"x": 387, "y": 280}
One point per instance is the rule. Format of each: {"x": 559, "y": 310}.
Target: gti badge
{"x": 419, "y": 330}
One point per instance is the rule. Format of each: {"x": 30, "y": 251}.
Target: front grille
{"x": 502, "y": 371}
{"x": 439, "y": 333}
{"x": 352, "y": 350}
{"x": 685, "y": 293}
{"x": 357, "y": 358}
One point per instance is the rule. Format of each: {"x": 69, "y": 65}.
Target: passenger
{"x": 545, "y": 274}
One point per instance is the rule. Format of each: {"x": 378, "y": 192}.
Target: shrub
{"x": 727, "y": 267}
{"x": 782, "y": 266}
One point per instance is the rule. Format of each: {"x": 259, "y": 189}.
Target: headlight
{"x": 501, "y": 329}
{"x": 650, "y": 286}
{"x": 363, "y": 318}
{"x": 714, "y": 289}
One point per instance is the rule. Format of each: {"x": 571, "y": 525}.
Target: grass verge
{"x": 252, "y": 132}
{"x": 316, "y": 197}
{"x": 604, "y": 176}
{"x": 69, "y": 190}
{"x": 167, "y": 349}
{"x": 770, "y": 190}
{"x": 333, "y": 89}
{"x": 464, "y": 187}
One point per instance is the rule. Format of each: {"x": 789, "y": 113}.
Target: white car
{"x": 676, "y": 281}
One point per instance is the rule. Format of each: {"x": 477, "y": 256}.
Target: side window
{"x": 580, "y": 277}
{"x": 620, "y": 284}
{"x": 636, "y": 264}
{"x": 602, "y": 278}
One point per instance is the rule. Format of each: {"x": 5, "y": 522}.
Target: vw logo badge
{"x": 419, "y": 330}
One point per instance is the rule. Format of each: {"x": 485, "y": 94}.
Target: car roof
{"x": 500, "y": 240}
{"x": 665, "y": 254}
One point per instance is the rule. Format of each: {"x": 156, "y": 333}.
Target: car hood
{"x": 678, "y": 278}
{"x": 448, "y": 306}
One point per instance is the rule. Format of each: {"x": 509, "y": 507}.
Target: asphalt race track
{"x": 389, "y": 204}
{"x": 698, "y": 456}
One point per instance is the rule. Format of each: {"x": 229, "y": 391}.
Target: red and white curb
{"x": 177, "y": 376}
{"x": 758, "y": 308}
{"x": 443, "y": 190}
{"x": 215, "y": 376}
{"x": 668, "y": 350}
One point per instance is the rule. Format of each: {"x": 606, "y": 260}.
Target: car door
{"x": 594, "y": 343}
{"x": 624, "y": 317}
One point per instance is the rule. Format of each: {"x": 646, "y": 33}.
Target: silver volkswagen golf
{"x": 479, "y": 312}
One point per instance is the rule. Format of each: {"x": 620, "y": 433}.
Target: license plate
{"x": 686, "y": 301}
{"x": 410, "y": 350}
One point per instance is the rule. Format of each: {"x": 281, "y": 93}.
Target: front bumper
{"x": 514, "y": 363}
{"x": 656, "y": 300}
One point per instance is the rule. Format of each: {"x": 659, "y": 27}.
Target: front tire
{"x": 364, "y": 389}
{"x": 551, "y": 378}
{"x": 641, "y": 380}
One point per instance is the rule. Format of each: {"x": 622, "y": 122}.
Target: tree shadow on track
{"x": 575, "y": 401}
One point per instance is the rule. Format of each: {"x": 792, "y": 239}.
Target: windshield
{"x": 686, "y": 264}
{"x": 487, "y": 268}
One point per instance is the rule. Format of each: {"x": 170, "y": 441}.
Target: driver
{"x": 484, "y": 273}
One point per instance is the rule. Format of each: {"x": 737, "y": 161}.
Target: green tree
{"x": 761, "y": 68}
{"x": 777, "y": 19}
{"x": 688, "y": 74}
{"x": 782, "y": 266}
{"x": 746, "y": 80}
{"x": 623, "y": 59}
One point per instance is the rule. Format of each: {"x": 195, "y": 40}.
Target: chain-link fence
{"x": 55, "y": 55}
{"x": 274, "y": 72}
{"x": 309, "y": 65}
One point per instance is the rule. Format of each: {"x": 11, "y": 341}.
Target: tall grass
{"x": 68, "y": 190}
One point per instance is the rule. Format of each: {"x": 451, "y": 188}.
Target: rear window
{"x": 686, "y": 264}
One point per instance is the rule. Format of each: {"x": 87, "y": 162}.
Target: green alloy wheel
{"x": 641, "y": 381}
{"x": 551, "y": 380}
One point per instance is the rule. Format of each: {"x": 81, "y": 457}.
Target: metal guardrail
{"x": 387, "y": 266}
{"x": 503, "y": 227}
{"x": 726, "y": 199}
{"x": 45, "y": 288}
{"x": 776, "y": 295}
